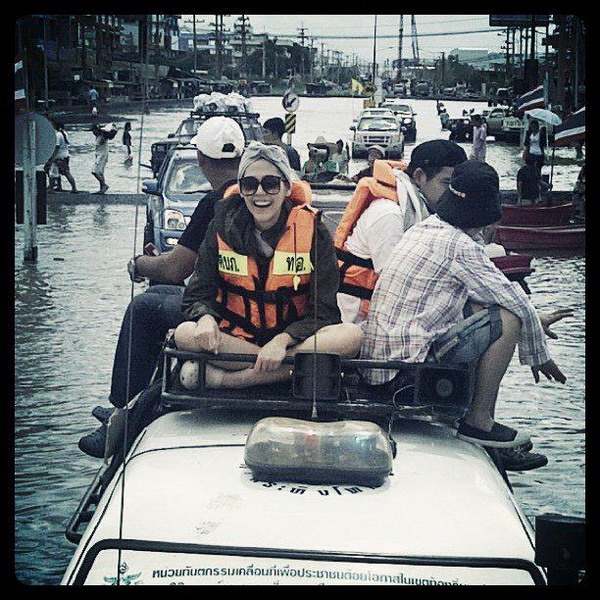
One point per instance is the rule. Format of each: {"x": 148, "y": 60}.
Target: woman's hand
{"x": 272, "y": 354}
{"x": 207, "y": 334}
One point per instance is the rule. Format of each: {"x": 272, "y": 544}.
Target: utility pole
{"x": 532, "y": 37}
{"x": 264, "y": 59}
{"x": 443, "y": 69}
{"x": 322, "y": 56}
{"x": 218, "y": 42}
{"x": 415, "y": 40}
{"x": 312, "y": 70}
{"x": 507, "y": 55}
{"x": 400, "y": 36}
{"x": 374, "y": 48}
{"x": 243, "y": 20}
{"x": 195, "y": 47}
{"x": 302, "y": 37}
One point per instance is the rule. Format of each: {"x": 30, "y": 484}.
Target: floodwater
{"x": 69, "y": 305}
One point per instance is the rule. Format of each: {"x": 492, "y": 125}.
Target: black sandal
{"x": 94, "y": 444}
{"x": 103, "y": 413}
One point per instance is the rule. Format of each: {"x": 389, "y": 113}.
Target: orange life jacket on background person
{"x": 257, "y": 310}
{"x": 357, "y": 277}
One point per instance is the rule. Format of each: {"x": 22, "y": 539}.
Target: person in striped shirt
{"x": 440, "y": 298}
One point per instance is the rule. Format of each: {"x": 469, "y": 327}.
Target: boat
{"x": 537, "y": 216}
{"x": 565, "y": 237}
{"x": 314, "y": 482}
{"x": 516, "y": 267}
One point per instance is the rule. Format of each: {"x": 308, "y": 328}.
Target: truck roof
{"x": 186, "y": 484}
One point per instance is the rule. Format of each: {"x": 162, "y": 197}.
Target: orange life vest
{"x": 255, "y": 309}
{"x": 357, "y": 277}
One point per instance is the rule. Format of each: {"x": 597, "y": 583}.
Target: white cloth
{"x": 101, "y": 155}
{"x": 63, "y": 147}
{"x": 376, "y": 232}
{"x": 534, "y": 144}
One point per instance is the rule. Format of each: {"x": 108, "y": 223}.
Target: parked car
{"x": 378, "y": 130}
{"x": 173, "y": 196}
{"x": 406, "y": 114}
{"x": 188, "y": 127}
{"x": 495, "y": 118}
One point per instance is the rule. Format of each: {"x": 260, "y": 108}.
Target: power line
{"x": 395, "y": 36}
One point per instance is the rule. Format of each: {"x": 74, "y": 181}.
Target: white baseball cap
{"x": 220, "y": 137}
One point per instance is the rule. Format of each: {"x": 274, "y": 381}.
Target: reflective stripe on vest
{"x": 258, "y": 310}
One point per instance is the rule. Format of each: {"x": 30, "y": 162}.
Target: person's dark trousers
{"x": 149, "y": 317}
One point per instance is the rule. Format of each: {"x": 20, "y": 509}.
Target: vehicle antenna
{"x": 314, "y": 414}
{"x": 131, "y": 316}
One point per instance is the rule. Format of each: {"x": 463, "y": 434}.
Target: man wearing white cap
{"x": 220, "y": 143}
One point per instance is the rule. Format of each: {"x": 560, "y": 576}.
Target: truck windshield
{"x": 377, "y": 124}
{"x": 185, "y": 177}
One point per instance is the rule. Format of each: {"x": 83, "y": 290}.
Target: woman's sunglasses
{"x": 271, "y": 184}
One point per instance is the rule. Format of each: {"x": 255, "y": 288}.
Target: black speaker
{"x": 443, "y": 385}
{"x": 317, "y": 375}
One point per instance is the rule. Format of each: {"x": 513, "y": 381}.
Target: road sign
{"x": 290, "y": 123}
{"x": 290, "y": 101}
{"x": 45, "y": 138}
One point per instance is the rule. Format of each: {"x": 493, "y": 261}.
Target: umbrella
{"x": 541, "y": 114}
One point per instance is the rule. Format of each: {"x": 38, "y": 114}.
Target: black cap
{"x": 436, "y": 153}
{"x": 473, "y": 197}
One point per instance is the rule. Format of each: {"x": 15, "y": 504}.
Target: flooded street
{"x": 69, "y": 306}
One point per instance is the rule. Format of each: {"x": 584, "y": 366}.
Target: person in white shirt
{"x": 479, "y": 139}
{"x": 382, "y": 209}
{"x": 60, "y": 160}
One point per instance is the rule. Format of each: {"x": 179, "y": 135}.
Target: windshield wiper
{"x": 194, "y": 191}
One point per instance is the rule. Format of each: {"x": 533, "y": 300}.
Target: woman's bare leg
{"x": 343, "y": 339}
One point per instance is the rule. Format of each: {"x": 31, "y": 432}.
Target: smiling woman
{"x": 267, "y": 281}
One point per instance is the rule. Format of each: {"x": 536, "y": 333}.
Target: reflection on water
{"x": 68, "y": 312}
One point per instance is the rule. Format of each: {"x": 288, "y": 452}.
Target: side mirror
{"x": 171, "y": 135}
{"x": 150, "y": 186}
{"x": 352, "y": 128}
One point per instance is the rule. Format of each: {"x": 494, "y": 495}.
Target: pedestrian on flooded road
{"x": 479, "y": 139}
{"x": 103, "y": 135}
{"x": 127, "y": 141}
{"x": 58, "y": 163}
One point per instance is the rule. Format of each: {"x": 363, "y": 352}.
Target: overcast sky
{"x": 361, "y": 28}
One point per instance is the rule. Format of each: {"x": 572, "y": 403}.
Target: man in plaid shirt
{"x": 435, "y": 276}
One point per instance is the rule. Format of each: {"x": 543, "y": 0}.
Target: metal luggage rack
{"x": 333, "y": 383}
